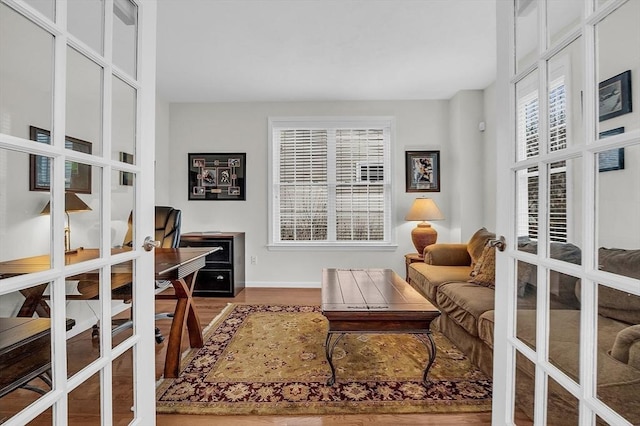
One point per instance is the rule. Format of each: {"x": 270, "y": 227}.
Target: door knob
{"x": 499, "y": 243}
{"x": 149, "y": 244}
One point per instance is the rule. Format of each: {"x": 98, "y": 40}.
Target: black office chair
{"x": 167, "y": 232}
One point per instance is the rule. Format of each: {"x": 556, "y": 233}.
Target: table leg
{"x": 34, "y": 302}
{"x": 432, "y": 355}
{"x": 328, "y": 350}
{"x": 184, "y": 315}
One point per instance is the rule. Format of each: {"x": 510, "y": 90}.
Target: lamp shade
{"x": 72, "y": 203}
{"x": 423, "y": 234}
{"x": 424, "y": 209}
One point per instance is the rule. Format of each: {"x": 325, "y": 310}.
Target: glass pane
{"x": 564, "y": 323}
{"x": 564, "y": 180}
{"x": 46, "y": 7}
{"x": 22, "y": 216}
{"x": 83, "y": 210}
{"x": 565, "y": 97}
{"x": 122, "y": 302}
{"x": 616, "y": 66}
{"x": 563, "y": 17}
{"x": 124, "y": 121}
{"x": 26, "y": 349}
{"x": 526, "y": 33}
{"x": 83, "y": 305}
{"x": 618, "y": 351}
{"x": 618, "y": 210}
{"x": 125, "y": 34}
{"x": 123, "y": 386}
{"x": 526, "y": 303}
{"x": 44, "y": 419}
{"x": 26, "y": 80}
{"x": 562, "y": 407}
{"x": 86, "y": 21}
{"x": 527, "y": 209}
{"x": 84, "y": 403}
{"x": 527, "y": 131}
{"x": 525, "y": 388}
{"x": 84, "y": 100}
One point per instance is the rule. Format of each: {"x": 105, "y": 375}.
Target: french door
{"x": 77, "y": 106}
{"x": 568, "y": 285}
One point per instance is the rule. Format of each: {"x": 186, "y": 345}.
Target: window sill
{"x": 331, "y": 247}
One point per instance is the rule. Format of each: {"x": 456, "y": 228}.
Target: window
{"x": 529, "y": 136}
{"x": 330, "y": 182}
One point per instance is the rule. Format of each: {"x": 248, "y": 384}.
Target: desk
{"x": 180, "y": 266}
{"x": 25, "y": 352}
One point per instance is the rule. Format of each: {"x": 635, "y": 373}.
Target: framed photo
{"x": 126, "y": 178}
{"x": 615, "y": 96}
{"x": 612, "y": 159}
{"x": 217, "y": 176}
{"x": 77, "y": 175}
{"x": 422, "y": 171}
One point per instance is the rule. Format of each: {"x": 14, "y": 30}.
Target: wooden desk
{"x": 25, "y": 352}
{"x": 374, "y": 301}
{"x": 180, "y": 266}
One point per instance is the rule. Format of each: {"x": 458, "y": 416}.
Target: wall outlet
{"x": 254, "y": 260}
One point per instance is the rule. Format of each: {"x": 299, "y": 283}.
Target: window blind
{"x": 528, "y": 131}
{"x": 331, "y": 184}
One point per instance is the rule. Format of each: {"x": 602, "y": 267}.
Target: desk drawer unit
{"x": 224, "y": 272}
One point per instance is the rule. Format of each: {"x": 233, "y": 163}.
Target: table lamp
{"x": 424, "y": 209}
{"x": 72, "y": 204}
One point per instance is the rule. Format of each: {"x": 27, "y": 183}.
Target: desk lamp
{"x": 424, "y": 209}
{"x": 72, "y": 204}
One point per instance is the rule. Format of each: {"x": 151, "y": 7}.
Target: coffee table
{"x": 374, "y": 301}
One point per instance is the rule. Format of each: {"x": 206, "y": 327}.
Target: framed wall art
{"x": 217, "y": 176}
{"x": 126, "y": 178}
{"x": 612, "y": 159}
{"x": 77, "y": 176}
{"x": 422, "y": 171}
{"x": 615, "y": 96}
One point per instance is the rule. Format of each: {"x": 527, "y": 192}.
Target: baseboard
{"x": 280, "y": 284}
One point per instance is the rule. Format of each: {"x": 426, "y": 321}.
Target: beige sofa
{"x": 467, "y": 319}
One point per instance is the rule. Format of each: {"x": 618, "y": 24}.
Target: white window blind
{"x": 528, "y": 122}
{"x": 330, "y": 183}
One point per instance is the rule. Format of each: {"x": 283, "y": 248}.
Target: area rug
{"x": 270, "y": 360}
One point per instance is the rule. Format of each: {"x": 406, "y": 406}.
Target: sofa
{"x": 459, "y": 279}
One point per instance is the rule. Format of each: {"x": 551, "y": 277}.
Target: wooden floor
{"x": 84, "y": 401}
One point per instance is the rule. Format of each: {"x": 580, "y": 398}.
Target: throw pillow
{"x": 484, "y": 272}
{"x": 476, "y": 244}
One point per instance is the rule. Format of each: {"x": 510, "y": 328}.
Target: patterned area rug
{"x": 270, "y": 360}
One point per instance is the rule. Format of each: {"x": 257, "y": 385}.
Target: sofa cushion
{"x": 427, "y": 278}
{"x": 613, "y": 303}
{"x": 447, "y": 254}
{"x": 476, "y": 244}
{"x": 484, "y": 272}
{"x": 464, "y": 302}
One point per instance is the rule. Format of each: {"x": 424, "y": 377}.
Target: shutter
{"x": 303, "y": 180}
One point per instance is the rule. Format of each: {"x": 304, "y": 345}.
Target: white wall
{"x": 163, "y": 163}
{"x": 242, "y": 127}
{"x": 467, "y": 166}
{"x": 490, "y": 157}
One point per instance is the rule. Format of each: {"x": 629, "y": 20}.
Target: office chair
{"x": 167, "y": 232}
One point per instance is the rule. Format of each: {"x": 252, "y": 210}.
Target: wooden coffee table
{"x": 374, "y": 301}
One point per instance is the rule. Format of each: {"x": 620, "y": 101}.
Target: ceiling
{"x": 317, "y": 50}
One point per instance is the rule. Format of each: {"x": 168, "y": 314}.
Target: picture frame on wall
{"x": 217, "y": 176}
{"x": 422, "y": 169}
{"x": 615, "y": 96}
{"x": 611, "y": 159}
{"x": 77, "y": 175}
{"x": 126, "y": 178}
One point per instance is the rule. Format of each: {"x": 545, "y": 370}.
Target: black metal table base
{"x": 331, "y": 343}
